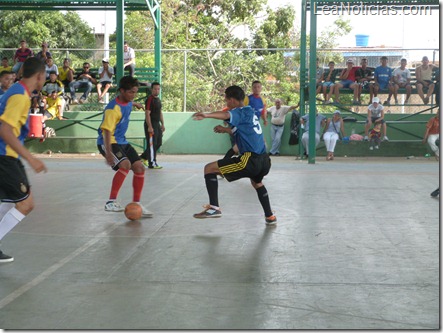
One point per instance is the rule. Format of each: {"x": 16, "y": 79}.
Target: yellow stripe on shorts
{"x": 237, "y": 166}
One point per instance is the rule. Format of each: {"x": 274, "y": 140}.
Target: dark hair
{"x": 331, "y": 62}
{"x": 155, "y": 83}
{"x": 5, "y": 73}
{"x": 52, "y": 72}
{"x": 256, "y": 81}
{"x": 86, "y": 63}
{"x": 32, "y": 66}
{"x": 5, "y": 58}
{"x": 235, "y": 92}
{"x": 128, "y": 82}
{"x": 384, "y": 58}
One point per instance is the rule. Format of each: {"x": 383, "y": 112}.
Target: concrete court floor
{"x": 356, "y": 247}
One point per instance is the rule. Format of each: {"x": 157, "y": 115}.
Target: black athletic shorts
{"x": 120, "y": 153}
{"x": 248, "y": 165}
{"x": 14, "y": 185}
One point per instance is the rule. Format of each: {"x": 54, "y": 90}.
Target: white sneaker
{"x": 371, "y": 148}
{"x": 385, "y": 138}
{"x": 376, "y": 147}
{"x": 145, "y": 212}
{"x": 366, "y": 138}
{"x": 113, "y": 206}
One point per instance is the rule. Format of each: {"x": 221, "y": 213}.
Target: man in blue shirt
{"x": 252, "y": 162}
{"x": 383, "y": 79}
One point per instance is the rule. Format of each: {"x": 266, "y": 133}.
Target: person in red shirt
{"x": 347, "y": 80}
{"x": 20, "y": 56}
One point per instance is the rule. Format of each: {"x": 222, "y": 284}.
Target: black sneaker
{"x": 5, "y": 258}
{"x": 436, "y": 193}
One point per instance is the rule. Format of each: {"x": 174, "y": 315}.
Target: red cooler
{"x": 35, "y": 126}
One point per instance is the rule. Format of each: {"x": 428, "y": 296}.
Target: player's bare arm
{"x": 108, "y": 149}
{"x": 215, "y": 115}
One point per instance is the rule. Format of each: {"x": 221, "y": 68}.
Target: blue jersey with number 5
{"x": 248, "y": 132}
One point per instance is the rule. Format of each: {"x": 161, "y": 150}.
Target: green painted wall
{"x": 184, "y": 135}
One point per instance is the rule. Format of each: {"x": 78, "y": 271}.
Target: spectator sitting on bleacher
{"x": 105, "y": 73}
{"x": 363, "y": 76}
{"x": 329, "y": 77}
{"x": 319, "y": 78}
{"x": 383, "y": 79}
{"x": 44, "y": 54}
{"x": 423, "y": 74}
{"x": 53, "y": 106}
{"x": 128, "y": 58}
{"x": 66, "y": 72}
{"x": 50, "y": 67}
{"x": 402, "y": 79}
{"x": 376, "y": 114}
{"x": 347, "y": 80}
{"x": 85, "y": 79}
{"x": 20, "y": 56}
{"x": 5, "y": 65}
{"x": 54, "y": 85}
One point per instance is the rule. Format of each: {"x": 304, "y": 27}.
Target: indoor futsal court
{"x": 356, "y": 247}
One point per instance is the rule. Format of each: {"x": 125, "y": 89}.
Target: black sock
{"x": 229, "y": 153}
{"x": 212, "y": 187}
{"x": 262, "y": 193}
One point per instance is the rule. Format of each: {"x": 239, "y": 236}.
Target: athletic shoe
{"x": 208, "y": 212}
{"x": 366, "y": 138}
{"x": 271, "y": 220}
{"x": 371, "y": 148}
{"x": 387, "y": 103}
{"x": 385, "y": 138}
{"x": 145, "y": 163}
{"x": 75, "y": 101}
{"x": 436, "y": 193}
{"x": 113, "y": 206}
{"x": 376, "y": 147}
{"x": 82, "y": 100}
{"x": 145, "y": 212}
{"x": 156, "y": 166}
{"x": 5, "y": 258}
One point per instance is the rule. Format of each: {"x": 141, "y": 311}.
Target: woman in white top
{"x": 331, "y": 133}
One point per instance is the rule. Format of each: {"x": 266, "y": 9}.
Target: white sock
{"x": 9, "y": 221}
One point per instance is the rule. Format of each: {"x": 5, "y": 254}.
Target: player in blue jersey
{"x": 114, "y": 147}
{"x": 15, "y": 192}
{"x": 252, "y": 162}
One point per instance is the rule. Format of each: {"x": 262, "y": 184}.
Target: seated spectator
{"x": 382, "y": 79}
{"x": 333, "y": 128}
{"x": 423, "y": 74}
{"x": 53, "y": 106}
{"x": 5, "y": 65}
{"x": 319, "y": 78}
{"x": 50, "y": 67}
{"x": 44, "y": 54}
{"x": 66, "y": 72}
{"x": 128, "y": 58}
{"x": 329, "y": 77}
{"x": 85, "y": 79}
{"x": 105, "y": 73}
{"x": 432, "y": 134}
{"x": 363, "y": 76}
{"x": 54, "y": 85}
{"x": 376, "y": 114}
{"x": 20, "y": 56}
{"x": 347, "y": 80}
{"x": 320, "y": 121}
{"x": 278, "y": 116}
{"x": 375, "y": 136}
{"x": 402, "y": 79}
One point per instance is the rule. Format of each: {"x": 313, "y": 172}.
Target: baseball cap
{"x": 376, "y": 100}
{"x": 349, "y": 60}
{"x": 105, "y": 60}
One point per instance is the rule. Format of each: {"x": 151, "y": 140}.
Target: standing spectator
{"x": 253, "y": 162}
{"x": 154, "y": 126}
{"x": 105, "y": 73}
{"x": 84, "y": 80}
{"x": 20, "y": 56}
{"x": 432, "y": 134}
{"x": 333, "y": 128}
{"x": 383, "y": 79}
{"x": 15, "y": 191}
{"x": 423, "y": 74}
{"x": 376, "y": 114}
{"x": 363, "y": 76}
{"x": 402, "y": 79}
{"x": 329, "y": 77}
{"x": 128, "y": 58}
{"x": 278, "y": 115}
{"x": 44, "y": 54}
{"x": 50, "y": 67}
{"x": 257, "y": 102}
{"x": 5, "y": 67}
{"x": 117, "y": 151}
{"x": 320, "y": 122}
{"x": 347, "y": 80}
{"x": 54, "y": 85}
{"x": 66, "y": 72}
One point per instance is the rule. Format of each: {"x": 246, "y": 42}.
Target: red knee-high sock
{"x": 137, "y": 184}
{"x": 117, "y": 182}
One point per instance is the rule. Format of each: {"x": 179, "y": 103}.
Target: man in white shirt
{"x": 105, "y": 79}
{"x": 402, "y": 79}
{"x": 129, "y": 59}
{"x": 376, "y": 114}
{"x": 278, "y": 115}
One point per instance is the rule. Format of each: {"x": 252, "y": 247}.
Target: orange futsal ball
{"x": 133, "y": 211}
